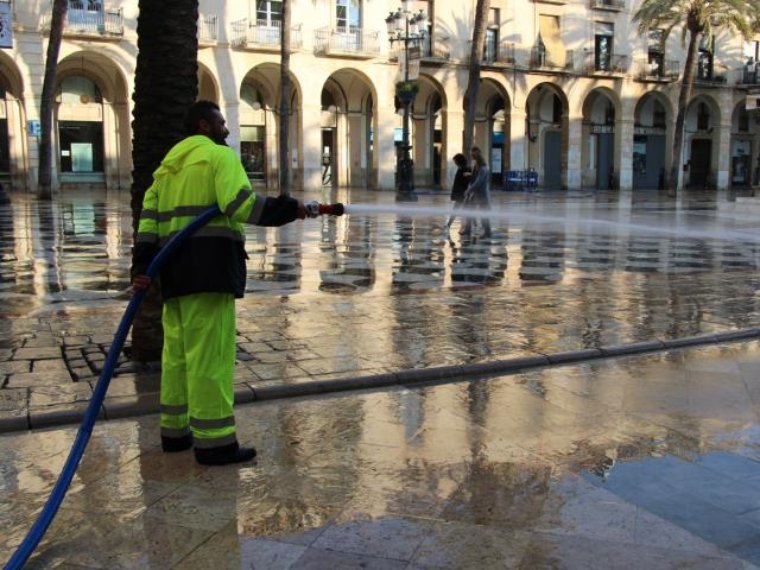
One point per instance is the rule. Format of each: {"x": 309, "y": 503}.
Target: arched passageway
{"x": 547, "y": 128}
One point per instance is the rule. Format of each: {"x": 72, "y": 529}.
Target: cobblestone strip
{"x": 142, "y": 404}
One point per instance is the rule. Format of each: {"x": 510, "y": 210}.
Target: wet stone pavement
{"x": 362, "y": 295}
{"x": 649, "y": 461}
{"x": 646, "y": 462}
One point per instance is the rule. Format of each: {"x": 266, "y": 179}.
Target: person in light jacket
{"x": 478, "y": 193}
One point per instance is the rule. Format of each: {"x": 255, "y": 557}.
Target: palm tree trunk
{"x": 44, "y": 181}
{"x": 166, "y": 84}
{"x": 687, "y": 84}
{"x": 284, "y": 100}
{"x": 473, "y": 80}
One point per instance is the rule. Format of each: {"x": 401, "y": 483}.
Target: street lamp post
{"x": 410, "y": 30}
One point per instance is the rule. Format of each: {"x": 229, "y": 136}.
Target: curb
{"x": 149, "y": 404}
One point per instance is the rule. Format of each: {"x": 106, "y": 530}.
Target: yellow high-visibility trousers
{"x": 198, "y": 369}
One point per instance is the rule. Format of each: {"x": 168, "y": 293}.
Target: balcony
{"x": 608, "y": 5}
{"x": 101, "y": 23}
{"x": 543, "y": 60}
{"x": 657, "y": 71}
{"x": 614, "y": 64}
{"x": 499, "y": 56}
{"x": 436, "y": 49}
{"x": 262, "y": 36}
{"x": 748, "y": 75}
{"x": 358, "y": 44}
{"x": 208, "y": 29}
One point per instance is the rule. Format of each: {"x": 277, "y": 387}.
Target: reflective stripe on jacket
{"x": 196, "y": 174}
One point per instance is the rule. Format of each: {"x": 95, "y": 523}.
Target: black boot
{"x": 224, "y": 455}
{"x": 174, "y": 444}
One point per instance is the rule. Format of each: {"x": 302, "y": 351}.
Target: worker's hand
{"x": 141, "y": 282}
{"x": 301, "y": 211}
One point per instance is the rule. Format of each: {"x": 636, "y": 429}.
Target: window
{"x": 491, "y": 52}
{"x": 656, "y": 53}
{"x": 348, "y": 16}
{"x": 705, "y": 60}
{"x": 269, "y": 13}
{"x": 603, "y": 46}
{"x": 78, "y": 90}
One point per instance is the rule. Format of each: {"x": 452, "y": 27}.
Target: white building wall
{"x": 112, "y": 61}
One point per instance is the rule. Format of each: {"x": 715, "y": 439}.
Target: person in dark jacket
{"x": 458, "y": 188}
{"x": 478, "y": 193}
{"x": 200, "y": 282}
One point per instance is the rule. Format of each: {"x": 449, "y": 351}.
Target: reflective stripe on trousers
{"x": 198, "y": 367}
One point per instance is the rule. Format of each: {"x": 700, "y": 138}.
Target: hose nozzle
{"x": 314, "y": 209}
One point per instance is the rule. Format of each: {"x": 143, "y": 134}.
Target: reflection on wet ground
{"x": 374, "y": 293}
{"x": 643, "y": 462}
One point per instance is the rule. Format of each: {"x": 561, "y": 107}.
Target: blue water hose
{"x": 40, "y": 526}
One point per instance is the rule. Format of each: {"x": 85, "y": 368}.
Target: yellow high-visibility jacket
{"x": 196, "y": 174}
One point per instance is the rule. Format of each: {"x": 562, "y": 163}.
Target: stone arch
{"x": 547, "y": 131}
{"x": 92, "y": 145}
{"x": 349, "y": 101}
{"x": 13, "y": 150}
{"x": 259, "y": 96}
{"x": 428, "y": 132}
{"x": 599, "y": 153}
{"x": 652, "y": 141}
{"x": 744, "y": 163}
{"x": 701, "y": 141}
{"x": 208, "y": 86}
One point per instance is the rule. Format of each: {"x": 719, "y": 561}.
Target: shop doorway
{"x": 699, "y": 163}
{"x": 553, "y": 160}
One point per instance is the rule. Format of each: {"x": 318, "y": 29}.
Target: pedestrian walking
{"x": 458, "y": 188}
{"x": 478, "y": 193}
{"x": 200, "y": 282}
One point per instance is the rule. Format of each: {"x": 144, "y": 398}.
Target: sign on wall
{"x": 6, "y": 25}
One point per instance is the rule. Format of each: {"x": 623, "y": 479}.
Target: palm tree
{"x": 166, "y": 84}
{"x": 44, "y": 179}
{"x": 284, "y": 98}
{"x": 697, "y": 19}
{"x": 473, "y": 79}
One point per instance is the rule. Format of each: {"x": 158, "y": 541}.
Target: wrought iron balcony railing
{"x": 208, "y": 29}
{"x": 614, "y": 63}
{"x": 436, "y": 48}
{"x": 665, "y": 70}
{"x": 610, "y": 5}
{"x": 347, "y": 43}
{"x": 80, "y": 21}
{"x": 748, "y": 75}
{"x": 262, "y": 35}
{"x": 540, "y": 58}
{"x": 503, "y": 54}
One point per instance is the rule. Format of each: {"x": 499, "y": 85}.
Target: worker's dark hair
{"x": 198, "y": 111}
{"x": 460, "y": 159}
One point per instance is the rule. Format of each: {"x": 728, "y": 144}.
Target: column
{"x": 517, "y": 140}
{"x": 311, "y": 135}
{"x": 454, "y": 126}
{"x": 723, "y": 150}
{"x": 624, "y": 153}
{"x": 574, "y": 142}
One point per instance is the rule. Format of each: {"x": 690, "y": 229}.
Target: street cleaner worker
{"x": 200, "y": 282}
